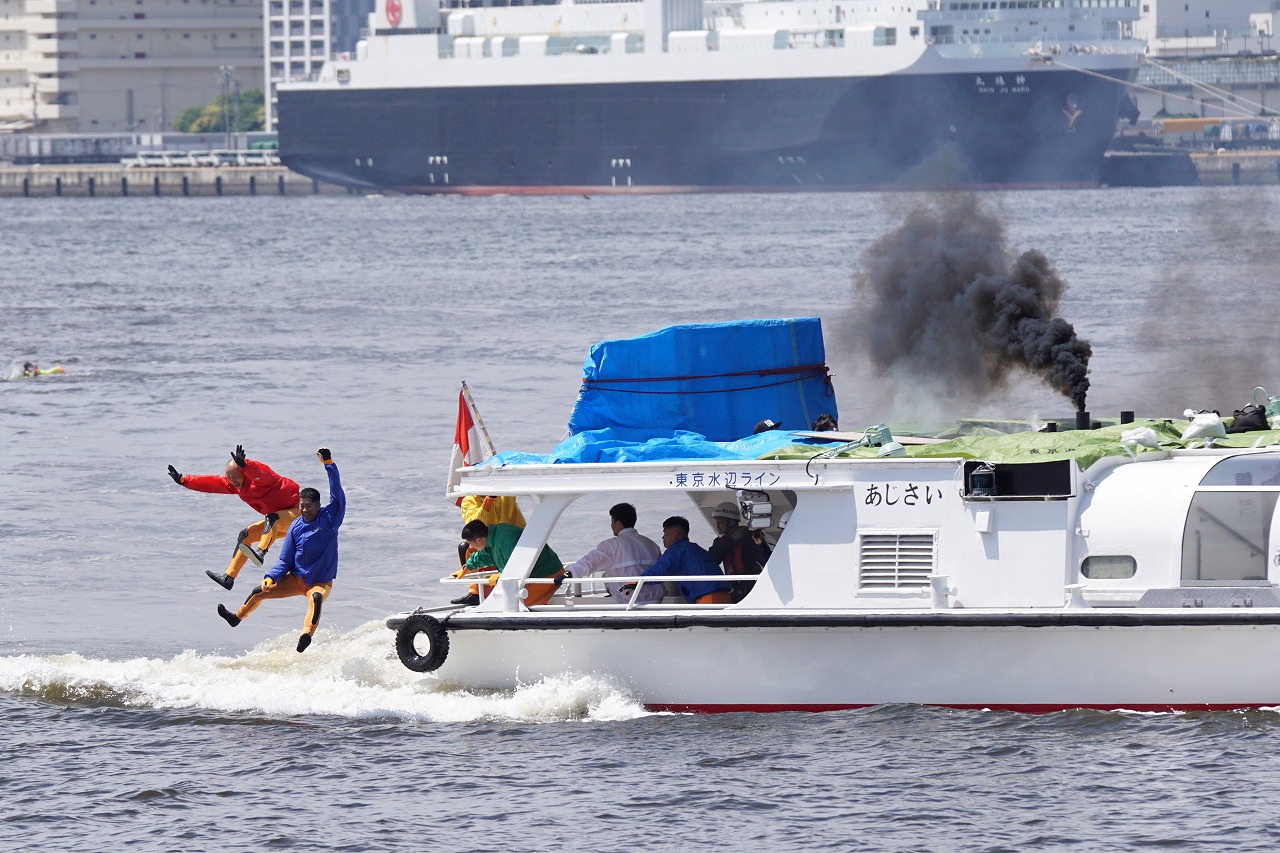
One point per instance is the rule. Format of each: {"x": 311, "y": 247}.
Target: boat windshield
{"x": 1252, "y": 470}
{"x": 1227, "y": 535}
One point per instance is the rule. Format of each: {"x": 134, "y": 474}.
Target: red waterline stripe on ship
{"x": 597, "y": 189}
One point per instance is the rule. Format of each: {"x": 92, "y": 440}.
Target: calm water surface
{"x": 135, "y": 718}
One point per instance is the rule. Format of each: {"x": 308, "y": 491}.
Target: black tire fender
{"x": 406, "y": 648}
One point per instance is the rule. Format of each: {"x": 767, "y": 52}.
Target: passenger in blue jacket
{"x": 683, "y": 557}
{"x": 308, "y": 560}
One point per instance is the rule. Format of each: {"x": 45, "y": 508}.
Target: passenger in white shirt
{"x": 625, "y": 554}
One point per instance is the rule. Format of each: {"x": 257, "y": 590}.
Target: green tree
{"x": 250, "y": 114}
{"x": 183, "y": 122}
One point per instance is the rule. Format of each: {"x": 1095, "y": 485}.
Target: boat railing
{"x": 1070, "y": 42}
{"x": 786, "y": 38}
{"x": 514, "y": 589}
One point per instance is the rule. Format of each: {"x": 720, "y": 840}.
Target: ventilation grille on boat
{"x": 895, "y": 560}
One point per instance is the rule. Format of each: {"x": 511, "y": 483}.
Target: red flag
{"x": 467, "y": 446}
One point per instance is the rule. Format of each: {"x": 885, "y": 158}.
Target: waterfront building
{"x": 99, "y": 66}
{"x": 1206, "y": 27}
{"x": 296, "y": 37}
{"x": 301, "y": 35}
{"x": 350, "y": 20}
{"x": 1211, "y": 58}
{"x": 1209, "y": 87}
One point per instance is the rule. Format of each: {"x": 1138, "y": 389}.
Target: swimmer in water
{"x": 30, "y": 369}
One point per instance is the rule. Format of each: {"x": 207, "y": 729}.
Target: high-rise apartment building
{"x": 301, "y": 35}
{"x": 349, "y": 19}
{"x": 296, "y": 33}
{"x": 118, "y": 65}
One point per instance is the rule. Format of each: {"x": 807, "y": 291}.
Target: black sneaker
{"x": 223, "y": 580}
{"x": 469, "y": 600}
{"x": 304, "y": 640}
{"x": 232, "y": 619}
{"x": 254, "y": 555}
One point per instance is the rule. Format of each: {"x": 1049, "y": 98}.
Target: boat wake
{"x": 352, "y": 674}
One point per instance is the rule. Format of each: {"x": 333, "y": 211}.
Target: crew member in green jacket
{"x": 493, "y": 545}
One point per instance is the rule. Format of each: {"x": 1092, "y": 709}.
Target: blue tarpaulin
{"x": 617, "y": 445}
{"x": 717, "y": 380}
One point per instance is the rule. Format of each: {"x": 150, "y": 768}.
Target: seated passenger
{"x": 624, "y": 554}
{"x": 683, "y": 557}
{"x": 493, "y": 546}
{"x": 736, "y": 549}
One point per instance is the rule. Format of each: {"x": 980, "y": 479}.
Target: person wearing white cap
{"x": 735, "y": 549}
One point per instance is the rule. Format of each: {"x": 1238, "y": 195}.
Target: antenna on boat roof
{"x": 475, "y": 413}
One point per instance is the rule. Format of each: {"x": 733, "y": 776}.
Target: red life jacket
{"x": 744, "y": 556}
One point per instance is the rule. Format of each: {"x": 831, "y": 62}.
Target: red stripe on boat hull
{"x": 706, "y": 708}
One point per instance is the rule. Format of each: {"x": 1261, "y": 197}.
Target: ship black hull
{"x": 836, "y": 133}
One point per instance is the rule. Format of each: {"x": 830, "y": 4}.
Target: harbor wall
{"x": 43, "y": 181}
{"x": 1244, "y": 168}
{"x": 1174, "y": 167}
{"x": 1207, "y": 168}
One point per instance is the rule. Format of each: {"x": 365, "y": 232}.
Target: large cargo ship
{"x": 694, "y": 95}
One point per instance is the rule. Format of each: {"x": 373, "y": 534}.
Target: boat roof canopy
{"x": 698, "y": 392}
{"x": 718, "y": 380}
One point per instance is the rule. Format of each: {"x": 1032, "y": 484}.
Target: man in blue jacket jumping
{"x": 308, "y": 560}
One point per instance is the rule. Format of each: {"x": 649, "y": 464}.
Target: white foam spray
{"x": 352, "y": 674}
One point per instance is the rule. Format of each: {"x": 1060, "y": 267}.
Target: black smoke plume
{"x": 945, "y": 300}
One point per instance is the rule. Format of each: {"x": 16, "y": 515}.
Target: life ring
{"x": 406, "y": 648}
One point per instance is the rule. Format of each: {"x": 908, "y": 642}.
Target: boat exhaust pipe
{"x": 1082, "y": 420}
{"x": 1126, "y": 416}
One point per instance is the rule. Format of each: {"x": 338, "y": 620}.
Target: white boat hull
{"x": 1231, "y": 659}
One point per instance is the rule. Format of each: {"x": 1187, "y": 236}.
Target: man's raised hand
{"x": 237, "y": 455}
{"x": 173, "y": 472}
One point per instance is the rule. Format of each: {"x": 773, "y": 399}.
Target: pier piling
{"x": 113, "y": 181}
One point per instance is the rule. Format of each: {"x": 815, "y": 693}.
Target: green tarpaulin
{"x": 1084, "y": 446}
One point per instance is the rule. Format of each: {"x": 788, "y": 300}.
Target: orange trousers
{"x": 540, "y": 593}
{"x": 263, "y": 535}
{"x": 289, "y": 586}
{"x": 715, "y": 598}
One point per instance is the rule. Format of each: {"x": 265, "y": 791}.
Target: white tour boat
{"x": 1037, "y": 571}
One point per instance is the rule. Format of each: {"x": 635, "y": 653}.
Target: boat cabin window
{"x": 987, "y": 480}
{"x": 1253, "y": 470}
{"x": 1226, "y": 535}
{"x": 1109, "y": 567}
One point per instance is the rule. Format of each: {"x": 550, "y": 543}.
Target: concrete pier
{"x": 1237, "y": 167}
{"x": 117, "y": 181}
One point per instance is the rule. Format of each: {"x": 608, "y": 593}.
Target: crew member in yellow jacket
{"x": 491, "y": 509}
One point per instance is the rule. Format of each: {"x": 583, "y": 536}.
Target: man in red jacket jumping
{"x": 257, "y": 485}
